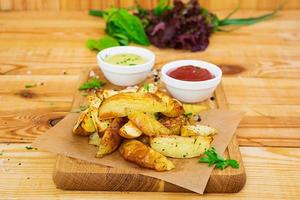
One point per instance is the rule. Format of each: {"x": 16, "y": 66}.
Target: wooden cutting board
{"x": 73, "y": 174}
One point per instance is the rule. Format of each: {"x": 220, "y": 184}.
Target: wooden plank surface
{"x": 271, "y": 173}
{"x": 46, "y": 45}
{"x": 7, "y": 5}
{"x": 28, "y": 112}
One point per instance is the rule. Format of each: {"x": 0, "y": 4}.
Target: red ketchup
{"x": 190, "y": 73}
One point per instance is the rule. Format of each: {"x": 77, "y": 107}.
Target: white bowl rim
{"x": 191, "y": 85}
{"x": 147, "y": 66}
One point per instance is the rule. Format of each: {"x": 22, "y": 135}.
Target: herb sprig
{"x": 188, "y": 114}
{"x": 146, "y": 87}
{"x": 122, "y": 26}
{"x": 156, "y": 26}
{"x": 30, "y": 85}
{"x": 214, "y": 158}
{"x": 92, "y": 84}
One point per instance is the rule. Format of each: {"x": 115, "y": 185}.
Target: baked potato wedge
{"x": 94, "y": 139}
{"x": 142, "y": 155}
{"x": 115, "y": 106}
{"x": 194, "y": 109}
{"x": 111, "y": 138}
{"x": 102, "y": 125}
{"x": 86, "y": 123}
{"x": 147, "y": 124}
{"x": 172, "y": 123}
{"x": 194, "y": 130}
{"x": 109, "y": 93}
{"x": 129, "y": 131}
{"x": 174, "y": 107}
{"x": 180, "y": 147}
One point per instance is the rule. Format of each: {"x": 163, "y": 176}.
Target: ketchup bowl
{"x": 191, "y": 91}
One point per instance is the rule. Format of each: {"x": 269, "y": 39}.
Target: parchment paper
{"x": 188, "y": 173}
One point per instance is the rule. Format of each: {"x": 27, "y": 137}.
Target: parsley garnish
{"x": 188, "y": 114}
{"x": 92, "y": 84}
{"x": 146, "y": 87}
{"x": 214, "y": 158}
{"x": 30, "y": 85}
{"x": 29, "y": 147}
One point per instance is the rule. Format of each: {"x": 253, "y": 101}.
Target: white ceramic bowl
{"x": 191, "y": 91}
{"x": 126, "y": 75}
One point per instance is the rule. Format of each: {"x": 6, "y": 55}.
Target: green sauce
{"x": 126, "y": 59}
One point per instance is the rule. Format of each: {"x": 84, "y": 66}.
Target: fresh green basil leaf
{"x": 102, "y": 43}
{"x": 98, "y": 13}
{"x": 122, "y": 39}
{"x": 122, "y": 22}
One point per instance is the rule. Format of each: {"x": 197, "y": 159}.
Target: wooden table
{"x": 261, "y": 68}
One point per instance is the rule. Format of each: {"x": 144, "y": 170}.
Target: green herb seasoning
{"x": 30, "y": 85}
{"x": 91, "y": 84}
{"x": 125, "y": 59}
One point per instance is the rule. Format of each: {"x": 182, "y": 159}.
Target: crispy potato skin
{"x": 148, "y": 125}
{"x": 174, "y": 108}
{"x": 88, "y": 124}
{"x": 84, "y": 125}
{"x": 137, "y": 152}
{"x": 180, "y": 147}
{"x": 115, "y": 106}
{"x": 102, "y": 126}
{"x": 80, "y": 131}
{"x": 172, "y": 123}
{"x": 111, "y": 138}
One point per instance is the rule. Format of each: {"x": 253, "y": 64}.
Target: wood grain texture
{"x": 6, "y": 5}
{"x": 52, "y": 43}
{"x": 271, "y": 107}
{"x": 73, "y": 174}
{"x": 103, "y": 4}
{"x": 28, "y": 112}
{"x": 49, "y": 42}
{"x": 272, "y": 173}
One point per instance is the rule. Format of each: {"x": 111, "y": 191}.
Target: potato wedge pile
{"x": 146, "y": 126}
